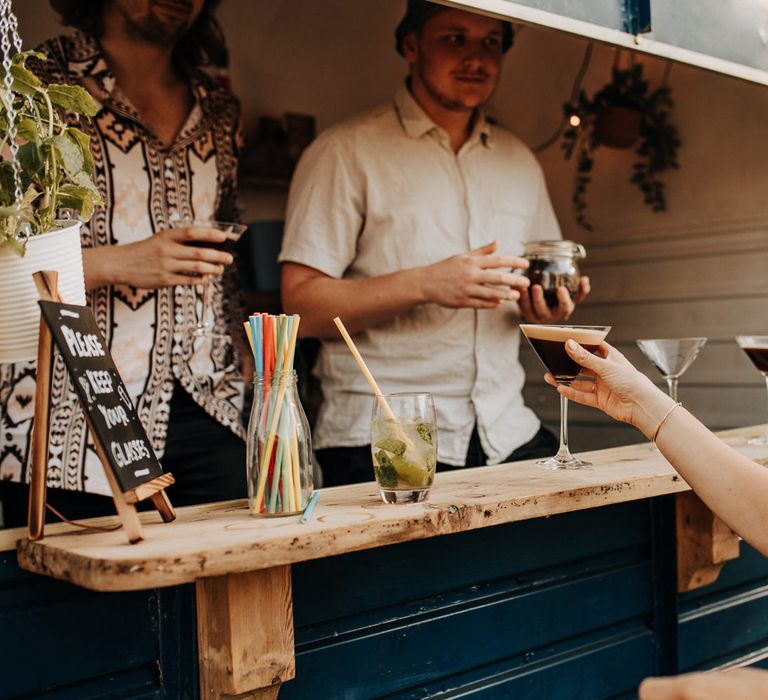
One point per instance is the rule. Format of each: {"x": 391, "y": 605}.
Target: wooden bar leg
{"x": 704, "y": 543}
{"x": 245, "y": 634}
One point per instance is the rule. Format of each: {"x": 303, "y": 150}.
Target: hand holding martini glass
{"x": 548, "y": 341}
{"x": 204, "y": 328}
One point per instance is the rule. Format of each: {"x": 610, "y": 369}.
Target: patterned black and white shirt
{"x": 147, "y": 187}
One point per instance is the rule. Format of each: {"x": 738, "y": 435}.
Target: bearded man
{"x": 165, "y": 145}
{"x": 404, "y": 222}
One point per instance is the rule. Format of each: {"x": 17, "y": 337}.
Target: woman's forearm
{"x": 734, "y": 487}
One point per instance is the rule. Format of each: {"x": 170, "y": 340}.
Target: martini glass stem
{"x": 564, "y": 454}
{"x": 765, "y": 376}
{"x": 202, "y": 323}
{"x": 672, "y": 385}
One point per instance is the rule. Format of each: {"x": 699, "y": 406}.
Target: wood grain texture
{"x": 218, "y": 539}
{"x": 245, "y": 633}
{"x": 704, "y": 543}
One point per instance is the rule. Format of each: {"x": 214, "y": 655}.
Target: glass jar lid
{"x": 554, "y": 249}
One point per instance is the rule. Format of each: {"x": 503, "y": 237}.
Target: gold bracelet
{"x": 666, "y": 415}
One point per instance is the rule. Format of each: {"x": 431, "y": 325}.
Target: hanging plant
{"x": 623, "y": 113}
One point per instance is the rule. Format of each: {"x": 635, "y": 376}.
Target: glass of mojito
{"x": 404, "y": 446}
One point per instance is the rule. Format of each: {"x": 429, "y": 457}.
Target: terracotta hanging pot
{"x": 618, "y": 127}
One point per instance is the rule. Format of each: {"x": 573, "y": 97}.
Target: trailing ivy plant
{"x": 55, "y": 161}
{"x": 658, "y": 138}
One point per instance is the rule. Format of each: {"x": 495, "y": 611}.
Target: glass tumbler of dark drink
{"x": 205, "y": 324}
{"x": 554, "y": 264}
{"x": 548, "y": 341}
{"x": 756, "y": 348}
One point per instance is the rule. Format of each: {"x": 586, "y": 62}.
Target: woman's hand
{"x": 610, "y": 382}
{"x": 164, "y": 259}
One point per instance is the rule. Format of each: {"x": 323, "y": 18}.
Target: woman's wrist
{"x": 652, "y": 407}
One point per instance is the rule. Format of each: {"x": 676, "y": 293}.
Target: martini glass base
{"x": 762, "y": 440}
{"x": 558, "y": 463}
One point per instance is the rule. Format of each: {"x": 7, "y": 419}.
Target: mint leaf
{"x": 386, "y": 476}
{"x": 396, "y": 447}
{"x": 425, "y": 432}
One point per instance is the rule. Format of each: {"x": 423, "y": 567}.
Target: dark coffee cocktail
{"x": 549, "y": 344}
{"x": 551, "y": 274}
{"x": 759, "y": 357}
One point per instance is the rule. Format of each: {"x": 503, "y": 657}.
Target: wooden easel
{"x": 125, "y": 502}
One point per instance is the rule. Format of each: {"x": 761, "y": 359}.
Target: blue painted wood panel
{"x": 575, "y": 606}
{"x": 727, "y": 620}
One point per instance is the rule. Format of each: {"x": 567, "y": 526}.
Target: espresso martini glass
{"x": 672, "y": 357}
{"x": 204, "y": 327}
{"x": 548, "y": 341}
{"x": 756, "y": 347}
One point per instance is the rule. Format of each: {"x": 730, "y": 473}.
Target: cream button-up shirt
{"x": 384, "y": 192}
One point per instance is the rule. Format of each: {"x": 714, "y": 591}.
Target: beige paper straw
{"x": 364, "y": 369}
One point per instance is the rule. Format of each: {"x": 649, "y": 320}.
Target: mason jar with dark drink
{"x": 554, "y": 264}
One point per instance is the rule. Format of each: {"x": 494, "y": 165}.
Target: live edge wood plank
{"x": 219, "y": 539}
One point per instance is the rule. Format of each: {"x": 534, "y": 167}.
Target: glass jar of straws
{"x": 279, "y": 446}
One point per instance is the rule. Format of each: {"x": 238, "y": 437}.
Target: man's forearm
{"x": 99, "y": 267}
{"x": 360, "y": 303}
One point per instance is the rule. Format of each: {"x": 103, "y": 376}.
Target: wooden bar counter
{"x": 453, "y": 593}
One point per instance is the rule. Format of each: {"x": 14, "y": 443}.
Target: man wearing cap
{"x": 405, "y": 222}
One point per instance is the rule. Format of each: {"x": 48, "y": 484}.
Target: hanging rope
{"x": 9, "y": 38}
{"x": 574, "y": 95}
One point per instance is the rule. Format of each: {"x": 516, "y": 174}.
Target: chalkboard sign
{"x": 105, "y": 400}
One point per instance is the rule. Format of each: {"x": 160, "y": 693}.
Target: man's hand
{"x": 736, "y": 684}
{"x": 164, "y": 259}
{"x": 477, "y": 279}
{"x": 536, "y": 310}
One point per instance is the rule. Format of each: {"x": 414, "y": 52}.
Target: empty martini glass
{"x": 671, "y": 356}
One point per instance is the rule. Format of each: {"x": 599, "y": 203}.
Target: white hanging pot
{"x": 19, "y": 313}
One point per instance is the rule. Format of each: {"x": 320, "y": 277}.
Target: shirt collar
{"x": 86, "y": 60}
{"x": 416, "y": 123}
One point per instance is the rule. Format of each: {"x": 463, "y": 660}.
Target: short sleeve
{"x": 325, "y": 212}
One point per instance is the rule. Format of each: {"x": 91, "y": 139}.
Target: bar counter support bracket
{"x": 704, "y": 543}
{"x": 245, "y": 634}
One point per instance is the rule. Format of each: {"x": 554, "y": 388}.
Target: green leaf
{"x": 396, "y": 447}
{"x": 83, "y": 142}
{"x": 25, "y": 82}
{"x": 8, "y": 212}
{"x": 82, "y": 179}
{"x": 70, "y": 154}
{"x": 30, "y": 159}
{"x": 27, "y": 129}
{"x": 74, "y": 98}
{"x": 80, "y": 199}
{"x": 425, "y": 432}
{"x": 386, "y": 476}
